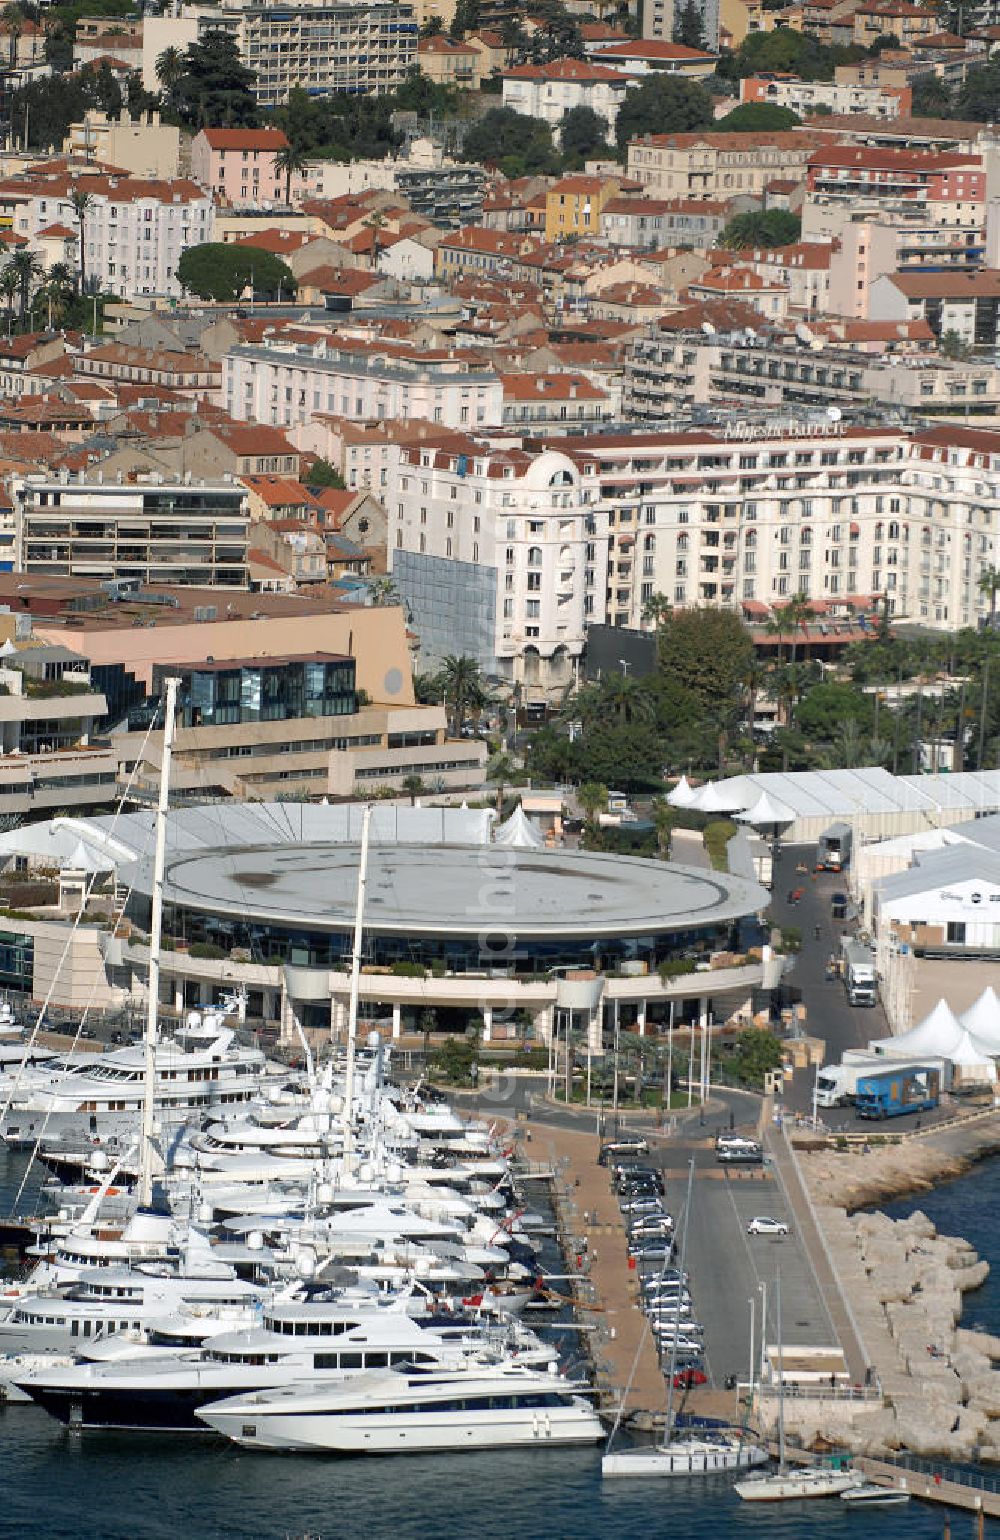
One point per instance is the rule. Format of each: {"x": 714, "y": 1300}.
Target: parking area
{"x": 728, "y": 1266}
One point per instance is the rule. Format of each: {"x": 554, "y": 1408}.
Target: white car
{"x": 762, "y": 1225}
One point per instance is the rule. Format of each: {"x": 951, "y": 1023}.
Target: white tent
{"x": 85, "y": 858}
{"x": 766, "y": 813}
{"x": 713, "y": 798}
{"x": 982, "y": 1019}
{"x": 936, "y": 1036}
{"x": 968, "y": 1053}
{"x": 682, "y": 795}
{"x": 518, "y": 832}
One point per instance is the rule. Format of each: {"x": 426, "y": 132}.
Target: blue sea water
{"x": 55, "y": 1485}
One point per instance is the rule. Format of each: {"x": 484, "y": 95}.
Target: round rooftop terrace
{"x": 453, "y": 890}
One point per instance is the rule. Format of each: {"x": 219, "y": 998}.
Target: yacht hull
{"x": 353, "y": 1433}
{"x": 695, "y": 1457}
{"x": 792, "y": 1486}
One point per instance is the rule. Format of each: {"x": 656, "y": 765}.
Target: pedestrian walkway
{"x": 623, "y": 1350}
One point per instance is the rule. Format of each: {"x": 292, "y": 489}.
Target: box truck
{"x": 837, "y": 1084}
{"x": 893, "y": 1092}
{"x": 834, "y": 849}
{"x": 859, "y": 973}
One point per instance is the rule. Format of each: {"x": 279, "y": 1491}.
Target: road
{"x": 828, "y": 1014}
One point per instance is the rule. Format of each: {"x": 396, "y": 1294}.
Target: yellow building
{"x": 448, "y": 63}
{"x": 574, "y": 205}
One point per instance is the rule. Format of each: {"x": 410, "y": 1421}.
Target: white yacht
{"x": 319, "y": 1340}
{"x": 687, "y": 1454}
{"x": 412, "y": 1411}
{"x": 200, "y": 1066}
{"x": 788, "y": 1485}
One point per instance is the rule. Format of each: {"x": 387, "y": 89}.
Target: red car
{"x": 686, "y": 1379}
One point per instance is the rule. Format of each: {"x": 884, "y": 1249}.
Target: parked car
{"x": 615, "y": 1148}
{"x": 686, "y": 1379}
{"x": 762, "y": 1224}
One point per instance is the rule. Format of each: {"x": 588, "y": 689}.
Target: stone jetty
{"x": 904, "y": 1284}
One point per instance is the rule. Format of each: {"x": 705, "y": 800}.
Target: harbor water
{"x": 70, "y": 1486}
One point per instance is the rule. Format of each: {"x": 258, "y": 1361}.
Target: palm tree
{"x": 170, "y": 66}
{"x": 462, "y": 679}
{"x": 625, "y": 697}
{"x": 60, "y": 282}
{"x": 501, "y": 769}
{"x": 10, "y": 287}
{"x": 989, "y": 583}
{"x": 81, "y": 202}
{"x": 28, "y": 267}
{"x": 413, "y": 785}
{"x": 593, "y": 798}
{"x": 384, "y": 593}
{"x": 664, "y": 817}
{"x": 13, "y": 21}
{"x": 796, "y": 615}
{"x": 290, "y": 161}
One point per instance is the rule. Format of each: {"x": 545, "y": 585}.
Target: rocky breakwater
{"x": 904, "y": 1284}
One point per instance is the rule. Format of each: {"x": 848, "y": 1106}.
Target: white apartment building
{"x": 549, "y": 91}
{"x": 364, "y": 47}
{"x": 135, "y": 229}
{"x": 500, "y": 553}
{"x": 759, "y": 513}
{"x": 285, "y": 384}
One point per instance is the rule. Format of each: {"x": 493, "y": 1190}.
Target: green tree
{"x": 593, "y": 799}
{"x": 465, "y": 19}
{"x": 323, "y": 474}
{"x": 758, "y": 118}
{"x": 707, "y": 652}
{"x": 978, "y": 97}
{"x": 432, "y": 27}
{"x": 582, "y": 136}
{"x": 989, "y": 583}
{"x": 220, "y": 271}
{"x": 786, "y": 51}
{"x": 824, "y": 709}
{"x": 60, "y": 282}
{"x": 756, "y": 1053}
{"x": 216, "y": 88}
{"x": 663, "y": 104}
{"x": 952, "y": 345}
{"x": 776, "y": 227}
{"x": 664, "y": 817}
{"x": 931, "y": 98}
{"x": 519, "y": 145}
{"x": 689, "y": 26}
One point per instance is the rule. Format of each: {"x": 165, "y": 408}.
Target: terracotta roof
{"x": 653, "y": 49}
{"x": 245, "y": 138}
{"x": 340, "y": 280}
{"x": 279, "y": 242}
{"x": 445, "y": 45}
{"x": 982, "y": 285}
{"x": 549, "y": 387}
{"x": 567, "y": 69}
{"x": 62, "y": 231}
{"x": 891, "y": 158}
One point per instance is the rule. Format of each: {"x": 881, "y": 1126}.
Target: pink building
{"x": 238, "y": 165}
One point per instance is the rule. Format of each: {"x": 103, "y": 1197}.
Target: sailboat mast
{"x": 155, "y": 937}
{"x": 668, "y": 1427}
{"x": 781, "y": 1377}
{"x": 352, "y": 1014}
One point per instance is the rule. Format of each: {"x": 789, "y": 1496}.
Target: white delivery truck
{"x": 838, "y": 1083}
{"x": 834, "y": 848}
{"x": 859, "y": 972}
